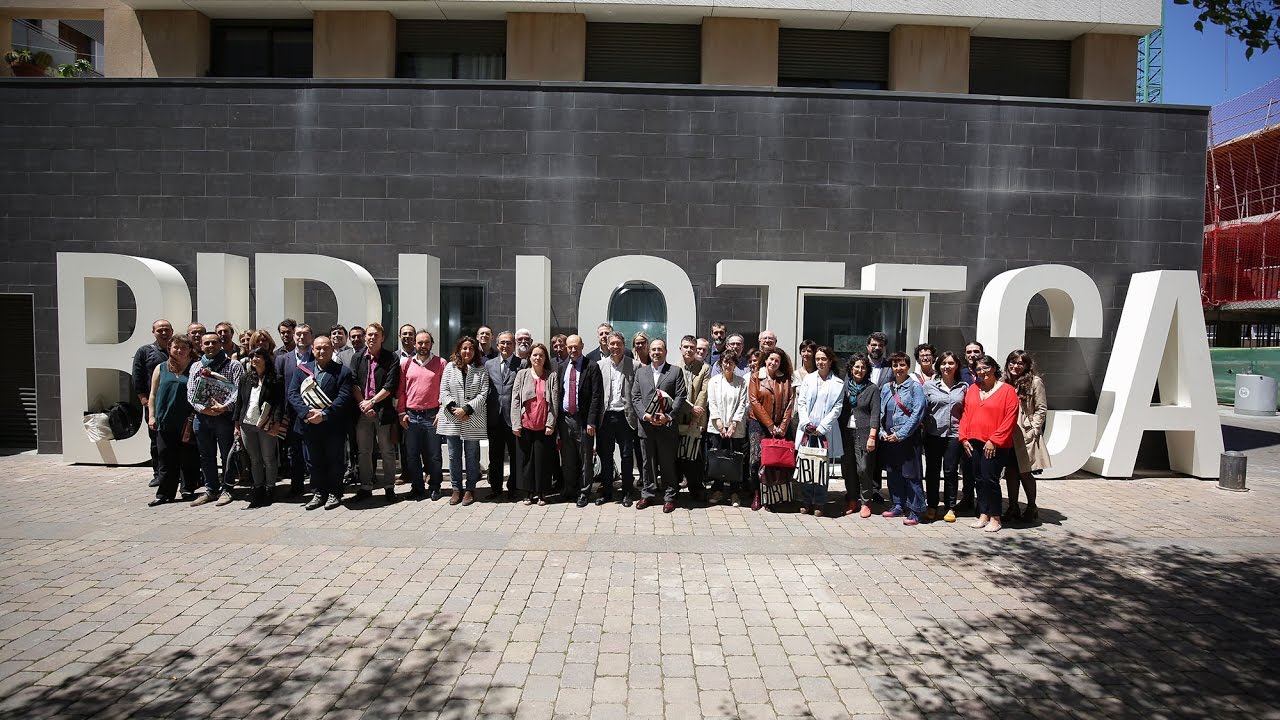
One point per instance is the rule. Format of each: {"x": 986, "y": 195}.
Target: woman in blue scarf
{"x": 859, "y": 425}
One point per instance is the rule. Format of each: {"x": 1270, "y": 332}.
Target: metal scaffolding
{"x": 1151, "y": 67}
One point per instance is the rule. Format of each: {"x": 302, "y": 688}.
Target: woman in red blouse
{"x": 533, "y": 422}
{"x": 986, "y": 434}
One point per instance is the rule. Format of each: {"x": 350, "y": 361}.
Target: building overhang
{"x": 1052, "y": 21}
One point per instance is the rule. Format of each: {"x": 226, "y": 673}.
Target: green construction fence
{"x": 1227, "y": 362}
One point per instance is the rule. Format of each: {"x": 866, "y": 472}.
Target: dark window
{"x": 18, "y": 368}
{"x": 833, "y": 59}
{"x": 644, "y": 53}
{"x": 461, "y": 313}
{"x": 448, "y": 49}
{"x": 1018, "y": 66}
{"x": 843, "y": 322}
{"x": 269, "y": 48}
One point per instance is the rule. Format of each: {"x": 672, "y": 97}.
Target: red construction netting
{"x": 1242, "y": 199}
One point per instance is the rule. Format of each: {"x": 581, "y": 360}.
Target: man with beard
{"x": 717, "y": 348}
{"x": 212, "y": 394}
{"x": 287, "y": 328}
{"x": 881, "y": 372}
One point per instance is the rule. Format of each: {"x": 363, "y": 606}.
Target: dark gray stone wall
{"x": 478, "y": 173}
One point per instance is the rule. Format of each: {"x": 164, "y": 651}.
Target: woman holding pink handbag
{"x": 772, "y": 401}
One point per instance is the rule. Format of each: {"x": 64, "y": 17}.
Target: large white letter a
{"x": 1161, "y": 338}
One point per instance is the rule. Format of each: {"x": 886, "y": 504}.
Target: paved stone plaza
{"x": 1142, "y": 598}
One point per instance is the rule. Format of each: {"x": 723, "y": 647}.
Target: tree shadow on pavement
{"x": 1108, "y": 630}
{"x": 303, "y": 662}
{"x": 1241, "y": 439}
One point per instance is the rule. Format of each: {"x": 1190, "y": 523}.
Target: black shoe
{"x": 435, "y": 494}
{"x": 158, "y": 501}
{"x": 391, "y": 496}
{"x": 600, "y": 501}
{"x": 877, "y": 497}
{"x": 417, "y": 494}
{"x": 188, "y": 496}
{"x": 626, "y": 501}
{"x": 583, "y": 501}
{"x": 361, "y": 495}
{"x": 496, "y": 496}
{"x": 155, "y": 482}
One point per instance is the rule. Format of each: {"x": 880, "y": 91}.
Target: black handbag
{"x": 724, "y": 464}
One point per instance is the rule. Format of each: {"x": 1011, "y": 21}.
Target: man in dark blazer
{"x": 324, "y": 428}
{"x": 287, "y": 362}
{"x": 502, "y": 443}
{"x": 580, "y": 389}
{"x": 658, "y": 429}
{"x": 377, "y": 380}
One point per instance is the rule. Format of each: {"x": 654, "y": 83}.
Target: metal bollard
{"x": 1232, "y": 471}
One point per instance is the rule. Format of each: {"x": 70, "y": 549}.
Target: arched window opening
{"x": 638, "y": 306}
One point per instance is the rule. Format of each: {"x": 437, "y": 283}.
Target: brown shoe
{"x": 468, "y": 498}
{"x": 203, "y": 499}
{"x": 456, "y": 498}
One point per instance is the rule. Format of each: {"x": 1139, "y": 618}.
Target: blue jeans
{"x": 901, "y": 461}
{"x": 422, "y": 447}
{"x": 214, "y": 435}
{"x": 942, "y": 461}
{"x": 456, "y": 446}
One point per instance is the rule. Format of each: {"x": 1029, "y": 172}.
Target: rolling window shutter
{"x": 1019, "y": 66}
{"x": 833, "y": 55}
{"x": 644, "y": 52}
{"x": 446, "y": 37}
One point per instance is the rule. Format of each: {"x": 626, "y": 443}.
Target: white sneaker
{"x": 736, "y": 501}
{"x": 333, "y": 502}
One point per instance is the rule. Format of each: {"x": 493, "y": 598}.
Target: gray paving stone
{"x": 1116, "y": 603}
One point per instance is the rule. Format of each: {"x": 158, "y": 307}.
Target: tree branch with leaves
{"x": 1255, "y": 22}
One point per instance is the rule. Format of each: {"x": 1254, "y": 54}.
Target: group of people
{"x": 725, "y": 423}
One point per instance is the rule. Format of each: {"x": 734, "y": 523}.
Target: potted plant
{"x": 28, "y": 63}
{"x": 75, "y": 69}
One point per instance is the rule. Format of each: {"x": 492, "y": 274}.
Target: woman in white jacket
{"x": 818, "y": 408}
{"x": 727, "y": 423}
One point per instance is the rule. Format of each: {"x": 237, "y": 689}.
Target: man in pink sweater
{"x": 418, "y": 402}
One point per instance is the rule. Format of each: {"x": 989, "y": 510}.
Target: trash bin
{"x": 1255, "y": 395}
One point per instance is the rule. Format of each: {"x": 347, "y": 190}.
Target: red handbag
{"x": 778, "y": 453}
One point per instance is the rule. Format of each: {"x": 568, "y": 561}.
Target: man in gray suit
{"x": 618, "y": 421}
{"x": 658, "y": 428}
{"x": 502, "y": 443}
